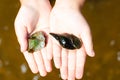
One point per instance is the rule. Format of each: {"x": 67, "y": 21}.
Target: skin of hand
{"x": 68, "y": 19}
{"x": 32, "y": 18}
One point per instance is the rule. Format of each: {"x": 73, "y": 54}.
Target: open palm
{"x": 70, "y": 62}
{"x": 28, "y": 21}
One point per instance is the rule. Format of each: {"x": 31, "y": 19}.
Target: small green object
{"x": 36, "y": 42}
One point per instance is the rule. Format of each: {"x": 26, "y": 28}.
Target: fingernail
{"x": 63, "y": 77}
{"x": 92, "y": 53}
{"x": 49, "y": 57}
{"x": 58, "y": 66}
{"x": 43, "y": 74}
{"x": 49, "y": 69}
{"x": 79, "y": 74}
{"x": 78, "y": 77}
{"x": 22, "y": 49}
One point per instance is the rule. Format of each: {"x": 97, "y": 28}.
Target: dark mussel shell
{"x": 36, "y": 42}
{"x": 68, "y": 41}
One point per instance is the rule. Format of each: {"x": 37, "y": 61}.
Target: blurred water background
{"x": 103, "y": 17}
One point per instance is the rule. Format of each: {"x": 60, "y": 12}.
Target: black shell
{"x": 68, "y": 41}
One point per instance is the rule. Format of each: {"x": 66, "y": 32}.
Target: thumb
{"x": 87, "y": 42}
{"x": 21, "y": 33}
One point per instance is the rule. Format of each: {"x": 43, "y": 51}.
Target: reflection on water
{"x": 103, "y": 17}
{"x": 118, "y": 56}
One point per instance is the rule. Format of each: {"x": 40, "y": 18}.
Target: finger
{"x": 87, "y": 41}
{"x": 31, "y": 62}
{"x": 57, "y": 55}
{"x": 71, "y": 65}
{"x": 64, "y": 64}
{"x": 21, "y": 33}
{"x": 80, "y": 61}
{"x": 49, "y": 49}
{"x": 40, "y": 63}
{"x": 47, "y": 62}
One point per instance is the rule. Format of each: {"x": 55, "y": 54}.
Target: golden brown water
{"x": 104, "y": 19}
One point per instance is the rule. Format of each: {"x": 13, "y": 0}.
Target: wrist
{"x": 36, "y": 4}
{"x": 73, "y": 4}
